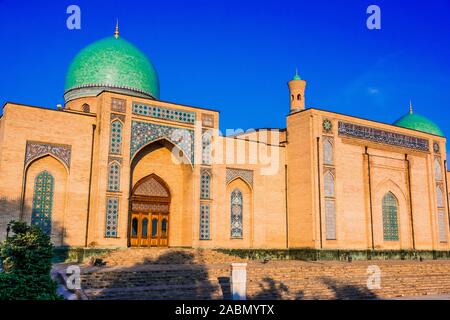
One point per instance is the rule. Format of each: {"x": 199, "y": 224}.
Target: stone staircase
{"x": 205, "y": 274}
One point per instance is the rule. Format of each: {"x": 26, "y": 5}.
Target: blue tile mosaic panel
{"x": 114, "y": 177}
{"x": 41, "y": 214}
{"x": 204, "y": 222}
{"x": 116, "y": 137}
{"x": 164, "y": 113}
{"x": 143, "y": 133}
{"x": 236, "y": 214}
{"x": 112, "y": 217}
{"x": 205, "y": 184}
{"x": 390, "y": 218}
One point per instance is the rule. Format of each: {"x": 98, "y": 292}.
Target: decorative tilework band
{"x": 35, "y": 150}
{"x": 381, "y": 136}
{"x": 164, "y": 113}
{"x": 247, "y": 175}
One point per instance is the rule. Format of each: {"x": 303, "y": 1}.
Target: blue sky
{"x": 237, "y": 56}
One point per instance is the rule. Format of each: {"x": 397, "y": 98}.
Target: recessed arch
{"x": 150, "y": 208}
{"x": 241, "y": 178}
{"x": 390, "y": 209}
{"x": 163, "y": 141}
{"x": 29, "y": 163}
{"x": 146, "y": 187}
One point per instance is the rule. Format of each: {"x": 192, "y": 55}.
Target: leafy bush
{"x": 26, "y": 256}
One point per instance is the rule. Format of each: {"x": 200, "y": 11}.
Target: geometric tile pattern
{"x": 151, "y": 188}
{"x": 236, "y": 214}
{"x": 328, "y": 151}
{"x": 204, "y": 222}
{"x": 114, "y": 177}
{"x": 205, "y": 184}
{"x": 116, "y": 137}
{"x": 41, "y": 214}
{"x": 164, "y": 113}
{"x": 246, "y": 175}
{"x": 442, "y": 226}
{"x": 143, "y": 133}
{"x": 112, "y": 216}
{"x": 37, "y": 149}
{"x": 390, "y": 217}
{"x": 330, "y": 219}
{"x": 206, "y": 147}
{"x": 329, "y": 185}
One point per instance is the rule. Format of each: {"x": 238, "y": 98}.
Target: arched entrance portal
{"x": 150, "y": 203}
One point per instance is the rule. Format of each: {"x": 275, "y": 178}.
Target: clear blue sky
{"x": 237, "y": 56}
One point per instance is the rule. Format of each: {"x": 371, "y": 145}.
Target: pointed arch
{"x": 152, "y": 187}
{"x": 390, "y": 217}
{"x": 329, "y": 184}
{"x": 328, "y": 152}
{"x": 51, "y": 155}
{"x": 439, "y": 197}
{"x": 177, "y": 152}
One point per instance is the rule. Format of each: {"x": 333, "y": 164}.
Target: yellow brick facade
{"x": 280, "y": 176}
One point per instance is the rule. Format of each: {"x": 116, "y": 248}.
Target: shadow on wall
{"x": 10, "y": 210}
{"x": 183, "y": 275}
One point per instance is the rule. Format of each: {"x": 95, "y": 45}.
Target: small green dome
{"x": 112, "y": 63}
{"x": 419, "y": 123}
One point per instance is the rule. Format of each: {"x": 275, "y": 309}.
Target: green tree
{"x": 27, "y": 261}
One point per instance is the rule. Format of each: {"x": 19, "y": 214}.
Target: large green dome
{"x": 420, "y": 123}
{"x": 111, "y": 64}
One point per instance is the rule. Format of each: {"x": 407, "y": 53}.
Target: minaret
{"x": 297, "y": 93}
{"x": 116, "y": 33}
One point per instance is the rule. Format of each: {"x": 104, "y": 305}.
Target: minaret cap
{"x": 296, "y": 77}
{"x": 116, "y": 33}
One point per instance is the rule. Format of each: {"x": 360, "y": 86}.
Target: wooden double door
{"x": 149, "y": 229}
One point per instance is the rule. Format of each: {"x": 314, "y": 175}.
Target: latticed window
{"x": 439, "y": 198}
{"x": 330, "y": 219}
{"x": 206, "y": 147}
{"x": 442, "y": 225}
{"x": 112, "y": 216}
{"x": 205, "y": 185}
{"x": 390, "y": 217}
{"x": 329, "y": 184}
{"x": 41, "y": 214}
{"x": 114, "y": 177}
{"x": 116, "y": 137}
{"x": 330, "y": 212}
{"x": 204, "y": 222}
{"x": 236, "y": 214}
{"x": 437, "y": 169}
{"x": 327, "y": 151}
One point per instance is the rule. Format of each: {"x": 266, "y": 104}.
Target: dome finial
{"x": 410, "y": 107}
{"x": 116, "y": 33}
{"x": 296, "y": 77}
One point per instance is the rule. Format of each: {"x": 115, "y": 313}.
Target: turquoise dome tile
{"x": 420, "y": 123}
{"x": 115, "y": 63}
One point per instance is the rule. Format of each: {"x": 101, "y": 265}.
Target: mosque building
{"x": 116, "y": 167}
